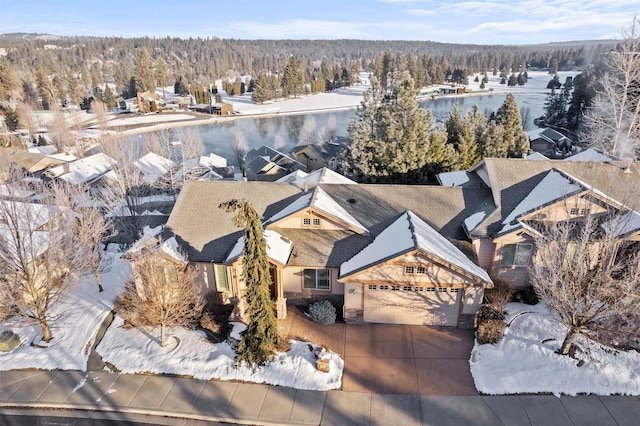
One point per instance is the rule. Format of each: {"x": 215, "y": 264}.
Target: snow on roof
{"x": 64, "y": 156}
{"x": 45, "y": 149}
{"x": 9, "y": 191}
{"x": 536, "y": 156}
{"x": 591, "y": 154}
{"x": 552, "y": 187}
{"x": 278, "y": 247}
{"x": 628, "y": 223}
{"x": 84, "y": 170}
{"x": 321, "y": 201}
{"x": 474, "y": 220}
{"x": 170, "y": 247}
{"x": 30, "y": 216}
{"x": 406, "y": 233}
{"x": 29, "y": 247}
{"x": 212, "y": 160}
{"x": 534, "y": 133}
{"x": 293, "y": 177}
{"x": 453, "y": 178}
{"x": 324, "y": 175}
{"x": 153, "y": 166}
{"x": 297, "y": 205}
{"x": 147, "y": 234}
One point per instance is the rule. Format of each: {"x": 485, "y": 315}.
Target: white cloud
{"x": 421, "y": 12}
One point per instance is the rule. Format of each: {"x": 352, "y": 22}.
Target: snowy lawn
{"x": 190, "y": 353}
{"x": 80, "y": 317}
{"x": 522, "y": 363}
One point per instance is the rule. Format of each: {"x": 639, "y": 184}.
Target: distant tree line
{"x": 81, "y": 66}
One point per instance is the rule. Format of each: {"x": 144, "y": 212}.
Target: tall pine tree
{"x": 390, "y": 137}
{"x": 260, "y": 340}
{"x": 515, "y": 139}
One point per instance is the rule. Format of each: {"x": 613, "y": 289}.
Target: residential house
{"x": 550, "y": 142}
{"x": 387, "y": 254}
{"x": 268, "y": 164}
{"x": 222, "y": 108}
{"x": 529, "y": 194}
{"x": 320, "y": 154}
{"x": 85, "y": 171}
{"x": 147, "y": 101}
{"x": 153, "y": 167}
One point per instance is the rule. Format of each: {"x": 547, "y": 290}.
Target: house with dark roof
{"x": 383, "y": 251}
{"x": 320, "y": 154}
{"x": 268, "y": 164}
{"x": 549, "y": 142}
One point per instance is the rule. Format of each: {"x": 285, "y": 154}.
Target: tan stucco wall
{"x": 472, "y": 299}
{"x": 353, "y": 294}
{"x": 393, "y": 272}
{"x": 485, "y": 250}
{"x": 292, "y": 281}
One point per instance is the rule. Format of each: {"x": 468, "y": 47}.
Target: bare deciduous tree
{"x": 26, "y": 119}
{"x": 39, "y": 257}
{"x": 308, "y": 131}
{"x": 580, "y": 274}
{"x": 127, "y": 194}
{"x": 240, "y": 146}
{"x": 613, "y": 122}
{"x": 165, "y": 294}
{"x": 278, "y": 141}
{"x": 91, "y": 226}
{"x": 101, "y": 111}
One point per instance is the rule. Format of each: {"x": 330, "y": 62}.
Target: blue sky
{"x": 451, "y": 21}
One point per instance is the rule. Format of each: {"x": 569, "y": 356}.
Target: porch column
{"x": 281, "y": 301}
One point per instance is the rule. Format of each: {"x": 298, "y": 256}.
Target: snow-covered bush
{"x": 487, "y": 312}
{"x": 322, "y": 312}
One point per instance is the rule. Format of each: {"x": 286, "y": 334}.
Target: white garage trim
{"x": 416, "y": 305}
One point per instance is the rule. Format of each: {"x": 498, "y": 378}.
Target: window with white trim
{"x": 574, "y": 211}
{"x": 421, "y": 270}
{"x": 516, "y": 254}
{"x": 306, "y": 221}
{"x": 220, "y": 273}
{"x": 316, "y": 221}
{"x": 316, "y": 279}
{"x": 409, "y": 270}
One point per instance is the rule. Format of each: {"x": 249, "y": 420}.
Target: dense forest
{"x": 41, "y": 70}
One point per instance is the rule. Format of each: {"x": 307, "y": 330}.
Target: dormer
{"x": 316, "y": 210}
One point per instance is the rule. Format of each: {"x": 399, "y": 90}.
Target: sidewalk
{"x": 245, "y": 403}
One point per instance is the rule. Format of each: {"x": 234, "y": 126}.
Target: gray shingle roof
{"x": 207, "y": 233}
{"x": 512, "y": 179}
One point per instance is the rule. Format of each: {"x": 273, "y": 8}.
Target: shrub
{"x": 490, "y": 331}
{"x": 322, "y": 312}
{"x": 486, "y": 313}
{"x": 500, "y": 294}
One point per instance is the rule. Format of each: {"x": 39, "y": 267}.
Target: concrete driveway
{"x": 400, "y": 359}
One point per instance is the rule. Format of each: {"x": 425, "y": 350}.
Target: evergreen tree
{"x": 109, "y": 97}
{"x": 491, "y": 142}
{"x": 454, "y": 126}
{"x": 442, "y": 157}
{"x": 293, "y": 79}
{"x": 516, "y": 140}
{"x": 390, "y": 137}
{"x": 262, "y": 89}
{"x": 260, "y": 340}
{"x": 9, "y": 81}
{"x": 218, "y": 98}
{"x": 11, "y": 119}
{"x": 143, "y": 73}
{"x": 161, "y": 74}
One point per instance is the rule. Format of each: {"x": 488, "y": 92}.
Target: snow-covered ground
{"x": 80, "y": 317}
{"x": 344, "y": 98}
{"x": 189, "y": 353}
{"x": 137, "y": 351}
{"x": 522, "y": 363}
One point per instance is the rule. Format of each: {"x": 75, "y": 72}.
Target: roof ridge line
{"x": 412, "y": 229}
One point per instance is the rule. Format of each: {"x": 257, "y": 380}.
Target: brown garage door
{"x": 394, "y": 304}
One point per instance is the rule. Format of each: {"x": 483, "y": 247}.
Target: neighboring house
{"x": 153, "y": 167}
{"x": 268, "y": 164}
{"x": 222, "y": 108}
{"x": 549, "y": 142}
{"x": 35, "y": 163}
{"x": 526, "y": 194}
{"x": 148, "y": 101}
{"x": 391, "y": 253}
{"x": 321, "y": 154}
{"x": 167, "y": 256}
{"x": 206, "y": 167}
{"x": 85, "y": 171}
